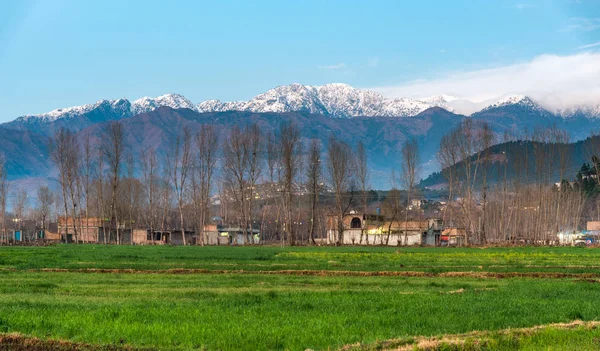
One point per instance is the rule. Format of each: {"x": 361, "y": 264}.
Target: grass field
{"x": 270, "y": 298}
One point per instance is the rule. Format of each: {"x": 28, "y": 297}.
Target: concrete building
{"x": 370, "y": 229}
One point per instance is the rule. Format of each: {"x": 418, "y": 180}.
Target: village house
{"x": 224, "y": 235}
{"x": 453, "y": 237}
{"x": 368, "y": 229}
{"x": 97, "y": 230}
{"x": 88, "y": 229}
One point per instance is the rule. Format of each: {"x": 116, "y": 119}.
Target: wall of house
{"x": 593, "y": 225}
{"x": 352, "y": 237}
{"x": 213, "y": 237}
{"x": 140, "y": 236}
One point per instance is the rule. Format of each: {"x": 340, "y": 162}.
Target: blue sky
{"x": 59, "y": 53}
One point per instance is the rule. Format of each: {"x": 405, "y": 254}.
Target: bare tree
{"x": 113, "y": 148}
{"x": 99, "y": 186}
{"x": 410, "y": 172}
{"x": 206, "y": 141}
{"x": 19, "y": 207}
{"x": 179, "y": 162}
{"x": 65, "y": 154}
{"x": 87, "y": 171}
{"x": 130, "y": 185}
{"x": 486, "y": 138}
{"x": 274, "y": 168}
{"x": 291, "y": 150}
{"x": 253, "y": 142}
{"x": 362, "y": 174}
{"x": 150, "y": 177}
{"x": 235, "y": 165}
{"x": 3, "y": 198}
{"x": 45, "y": 199}
{"x": 273, "y": 157}
{"x": 448, "y": 157}
{"x": 341, "y": 178}
{"x": 314, "y": 175}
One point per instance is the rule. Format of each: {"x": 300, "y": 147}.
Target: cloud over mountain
{"x": 557, "y": 82}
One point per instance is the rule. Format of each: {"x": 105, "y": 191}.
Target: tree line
{"x": 275, "y": 181}
{"x": 288, "y": 186}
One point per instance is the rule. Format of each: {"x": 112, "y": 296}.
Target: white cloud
{"x": 336, "y": 66}
{"x": 587, "y": 46}
{"x": 554, "y": 81}
{"x": 582, "y": 24}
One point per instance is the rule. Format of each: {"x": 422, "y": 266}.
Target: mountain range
{"x": 350, "y": 114}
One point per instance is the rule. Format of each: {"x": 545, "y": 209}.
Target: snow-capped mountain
{"x": 147, "y": 104}
{"x": 335, "y": 100}
{"x": 588, "y": 111}
{"x": 122, "y": 107}
{"x": 516, "y": 100}
{"x": 528, "y": 104}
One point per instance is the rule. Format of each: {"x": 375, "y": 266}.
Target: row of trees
{"x": 524, "y": 203}
{"x": 285, "y": 185}
{"x": 276, "y": 181}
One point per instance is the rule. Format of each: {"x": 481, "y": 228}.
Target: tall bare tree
{"x": 19, "y": 207}
{"x": 291, "y": 151}
{"x": 235, "y": 165}
{"x": 341, "y": 178}
{"x": 486, "y": 137}
{"x": 448, "y": 157}
{"x": 3, "y": 198}
{"x": 113, "y": 148}
{"x": 87, "y": 171}
{"x": 254, "y": 149}
{"x": 150, "y": 178}
{"x": 45, "y": 200}
{"x": 179, "y": 162}
{"x": 273, "y": 157}
{"x": 65, "y": 154}
{"x": 409, "y": 175}
{"x": 202, "y": 176}
{"x": 130, "y": 190}
{"x": 362, "y": 175}
{"x": 99, "y": 186}
{"x": 314, "y": 176}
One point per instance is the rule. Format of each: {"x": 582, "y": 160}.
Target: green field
{"x": 270, "y": 298}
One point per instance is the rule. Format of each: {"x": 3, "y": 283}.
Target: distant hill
{"x": 516, "y": 160}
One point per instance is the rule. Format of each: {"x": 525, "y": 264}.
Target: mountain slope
{"x": 516, "y": 160}
{"x": 25, "y": 153}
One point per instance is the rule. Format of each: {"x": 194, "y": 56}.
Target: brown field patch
{"x": 18, "y": 342}
{"x": 480, "y": 275}
{"x": 424, "y": 343}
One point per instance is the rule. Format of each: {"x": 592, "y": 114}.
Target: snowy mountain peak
{"x": 120, "y": 107}
{"x": 119, "y": 104}
{"x": 515, "y": 100}
{"x": 147, "y": 104}
{"x": 590, "y": 111}
{"x": 335, "y": 100}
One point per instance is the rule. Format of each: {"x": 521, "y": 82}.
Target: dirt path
{"x": 18, "y": 342}
{"x": 482, "y": 275}
{"x": 457, "y": 340}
